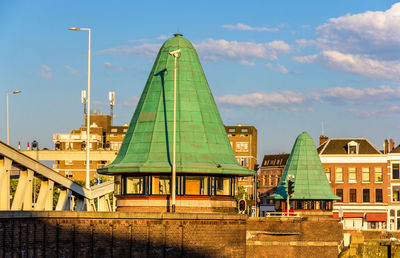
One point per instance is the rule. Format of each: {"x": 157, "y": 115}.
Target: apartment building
{"x": 103, "y": 137}
{"x": 243, "y": 140}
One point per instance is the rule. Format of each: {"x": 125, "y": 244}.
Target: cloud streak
{"x": 45, "y": 72}
{"x": 339, "y": 96}
{"x": 214, "y": 50}
{"x": 244, "y": 27}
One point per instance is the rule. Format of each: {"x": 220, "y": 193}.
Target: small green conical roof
{"x": 305, "y": 168}
{"x": 202, "y": 145}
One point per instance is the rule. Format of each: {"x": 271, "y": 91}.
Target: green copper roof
{"x": 304, "y": 166}
{"x": 202, "y": 145}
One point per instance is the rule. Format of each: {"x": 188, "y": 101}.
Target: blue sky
{"x": 282, "y": 66}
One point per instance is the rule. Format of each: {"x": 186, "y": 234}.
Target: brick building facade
{"x": 103, "y": 136}
{"x": 243, "y": 140}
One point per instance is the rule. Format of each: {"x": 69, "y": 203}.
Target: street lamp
{"x": 176, "y": 55}
{"x": 87, "y": 115}
{"x": 8, "y": 128}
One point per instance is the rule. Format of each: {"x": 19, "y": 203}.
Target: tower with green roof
{"x": 205, "y": 163}
{"x": 311, "y": 189}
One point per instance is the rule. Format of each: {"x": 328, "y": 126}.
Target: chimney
{"x": 385, "y": 146}
{"x": 391, "y": 145}
{"x": 322, "y": 139}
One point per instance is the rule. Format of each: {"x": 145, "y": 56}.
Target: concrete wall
{"x": 88, "y": 234}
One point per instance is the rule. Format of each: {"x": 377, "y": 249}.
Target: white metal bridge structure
{"x": 71, "y": 196}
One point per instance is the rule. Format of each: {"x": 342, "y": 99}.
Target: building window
{"x": 222, "y": 186}
{"x": 161, "y": 184}
{"x": 339, "y": 193}
{"x": 243, "y": 161}
{"x": 231, "y": 130}
{"x": 378, "y": 174}
{"x": 352, "y": 175}
{"x": 271, "y": 179}
{"x": 134, "y": 185}
{"x": 396, "y": 193}
{"x": 278, "y": 179}
{"x": 328, "y": 173}
{"x": 395, "y": 171}
{"x": 242, "y": 146}
{"x": 366, "y": 195}
{"x": 244, "y": 130}
{"x": 378, "y": 195}
{"x": 353, "y": 195}
{"x": 352, "y": 147}
{"x": 69, "y": 174}
{"x": 339, "y": 175}
{"x": 365, "y": 174}
{"x": 196, "y": 185}
{"x": 68, "y": 162}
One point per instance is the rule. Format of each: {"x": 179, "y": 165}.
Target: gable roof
{"x": 339, "y": 146}
{"x": 275, "y": 160}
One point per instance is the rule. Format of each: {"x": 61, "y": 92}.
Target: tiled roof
{"x": 396, "y": 150}
{"x": 304, "y": 165}
{"x": 202, "y": 145}
{"x": 340, "y": 146}
{"x": 274, "y": 160}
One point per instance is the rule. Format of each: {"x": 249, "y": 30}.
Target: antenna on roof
{"x": 322, "y": 128}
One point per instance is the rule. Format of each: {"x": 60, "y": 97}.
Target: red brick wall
{"x": 89, "y": 234}
{"x": 359, "y": 185}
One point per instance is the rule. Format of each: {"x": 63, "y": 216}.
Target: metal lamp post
{"x": 8, "y": 128}
{"x": 87, "y": 115}
{"x": 176, "y": 55}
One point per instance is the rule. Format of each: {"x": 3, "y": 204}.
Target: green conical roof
{"x": 305, "y": 168}
{"x": 202, "y": 145}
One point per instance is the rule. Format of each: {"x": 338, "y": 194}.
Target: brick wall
{"x": 103, "y": 234}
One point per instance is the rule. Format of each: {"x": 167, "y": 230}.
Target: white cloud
{"x": 358, "y": 100}
{"x": 214, "y": 50}
{"x": 162, "y": 37}
{"x": 45, "y": 72}
{"x": 366, "y": 113}
{"x": 145, "y": 50}
{"x": 133, "y": 100}
{"x": 72, "y": 70}
{"x": 113, "y": 67}
{"x": 241, "y": 26}
{"x": 272, "y": 100}
{"x": 375, "y": 33}
{"x": 277, "y": 67}
{"x": 367, "y": 44}
{"x": 220, "y": 49}
{"x": 362, "y": 65}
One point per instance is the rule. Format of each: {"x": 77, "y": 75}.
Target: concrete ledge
{"x": 119, "y": 215}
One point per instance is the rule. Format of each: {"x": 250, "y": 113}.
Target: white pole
{"x": 175, "y": 54}
{"x": 87, "y": 115}
{"x": 8, "y": 130}
{"x": 88, "y": 124}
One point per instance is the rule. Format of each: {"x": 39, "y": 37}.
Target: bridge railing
{"x": 71, "y": 196}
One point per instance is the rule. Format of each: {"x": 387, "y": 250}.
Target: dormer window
{"x": 353, "y": 147}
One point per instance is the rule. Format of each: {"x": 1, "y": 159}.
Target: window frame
{"x": 354, "y": 173}
{"x": 375, "y": 174}
{"x": 363, "y": 173}
{"x": 336, "y": 173}
{"x": 398, "y": 171}
{"x": 341, "y": 195}
{"x": 351, "y": 194}
{"x": 366, "y": 195}
{"x": 376, "y": 195}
